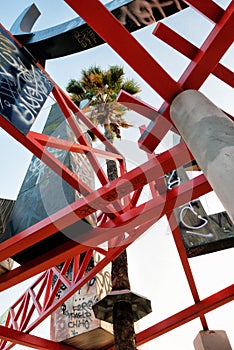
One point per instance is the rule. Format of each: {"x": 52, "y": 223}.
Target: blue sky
{"x": 163, "y": 280}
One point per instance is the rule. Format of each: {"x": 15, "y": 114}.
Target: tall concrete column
{"x": 215, "y": 340}
{"x": 209, "y": 134}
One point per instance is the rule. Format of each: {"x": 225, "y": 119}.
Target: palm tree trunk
{"x": 123, "y": 324}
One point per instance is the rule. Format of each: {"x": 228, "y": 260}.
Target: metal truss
{"x": 116, "y": 203}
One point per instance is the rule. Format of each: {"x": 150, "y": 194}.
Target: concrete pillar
{"x": 209, "y": 134}
{"x": 212, "y": 340}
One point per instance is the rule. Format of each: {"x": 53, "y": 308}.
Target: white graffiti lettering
{"x": 23, "y": 86}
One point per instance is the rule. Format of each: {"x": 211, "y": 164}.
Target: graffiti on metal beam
{"x": 145, "y": 12}
{"x": 24, "y": 88}
{"x": 75, "y": 35}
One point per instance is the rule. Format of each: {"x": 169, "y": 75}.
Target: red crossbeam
{"x": 50, "y": 141}
{"x": 184, "y": 261}
{"x": 126, "y": 46}
{"x": 201, "y": 66}
{"x": 134, "y": 217}
{"x": 31, "y": 341}
{"x": 190, "y": 51}
{"x": 97, "y": 200}
{"x": 204, "y": 306}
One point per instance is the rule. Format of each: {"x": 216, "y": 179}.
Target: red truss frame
{"x": 114, "y": 218}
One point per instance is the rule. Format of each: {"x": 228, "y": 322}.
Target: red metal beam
{"x": 80, "y": 115}
{"x": 98, "y": 200}
{"x": 186, "y": 48}
{"x": 134, "y": 217}
{"x": 31, "y": 341}
{"x": 79, "y": 134}
{"x": 214, "y": 301}
{"x": 210, "y": 53}
{"x": 204, "y": 63}
{"x": 48, "y": 300}
{"x": 50, "y": 141}
{"x": 126, "y": 46}
{"x": 207, "y": 8}
{"x": 137, "y": 105}
{"x": 39, "y": 151}
{"x": 184, "y": 261}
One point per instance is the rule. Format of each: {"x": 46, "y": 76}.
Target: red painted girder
{"x": 48, "y": 158}
{"x": 76, "y": 283}
{"x": 73, "y": 288}
{"x": 68, "y": 105}
{"x": 97, "y": 200}
{"x": 144, "y": 213}
{"x": 80, "y": 115}
{"x": 207, "y": 8}
{"x": 160, "y": 205}
{"x": 31, "y": 341}
{"x": 212, "y": 50}
{"x": 186, "y": 48}
{"x": 50, "y": 141}
{"x": 126, "y": 46}
{"x": 214, "y": 47}
{"x": 141, "y": 107}
{"x": 137, "y": 105}
{"x": 206, "y": 305}
{"x": 79, "y": 135}
{"x": 184, "y": 261}
{"x": 158, "y": 186}
{"x": 40, "y": 264}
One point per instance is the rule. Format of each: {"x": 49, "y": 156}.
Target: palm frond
{"x": 131, "y": 87}
{"x": 101, "y": 88}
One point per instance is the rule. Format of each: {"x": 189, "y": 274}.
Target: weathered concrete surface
{"x": 209, "y": 134}
{"x": 212, "y": 340}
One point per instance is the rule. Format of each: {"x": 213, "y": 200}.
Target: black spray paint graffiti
{"x": 23, "y": 86}
{"x": 81, "y": 314}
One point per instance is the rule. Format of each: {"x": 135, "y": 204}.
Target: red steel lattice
{"x": 134, "y": 219}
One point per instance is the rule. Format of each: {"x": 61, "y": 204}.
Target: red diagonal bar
{"x": 80, "y": 115}
{"x": 144, "y": 213}
{"x": 54, "y": 142}
{"x": 76, "y": 285}
{"x": 51, "y": 301}
{"x": 39, "y": 264}
{"x": 207, "y": 8}
{"x": 175, "y": 40}
{"x": 214, "y": 301}
{"x": 210, "y": 53}
{"x": 29, "y": 340}
{"x": 79, "y": 135}
{"x": 137, "y": 105}
{"x": 126, "y": 46}
{"x": 98, "y": 200}
{"x": 189, "y": 50}
{"x": 184, "y": 261}
{"x": 204, "y": 63}
{"x": 224, "y": 74}
{"x": 35, "y": 147}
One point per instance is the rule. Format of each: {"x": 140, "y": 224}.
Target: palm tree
{"x": 100, "y": 88}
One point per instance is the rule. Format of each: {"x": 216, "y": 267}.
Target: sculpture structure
{"x": 114, "y": 221}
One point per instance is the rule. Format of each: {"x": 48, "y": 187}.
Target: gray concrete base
{"x": 212, "y": 340}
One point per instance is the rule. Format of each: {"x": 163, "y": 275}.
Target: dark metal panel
{"x": 23, "y": 86}
{"x": 201, "y": 233}
{"x": 76, "y": 35}
{"x": 44, "y": 192}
